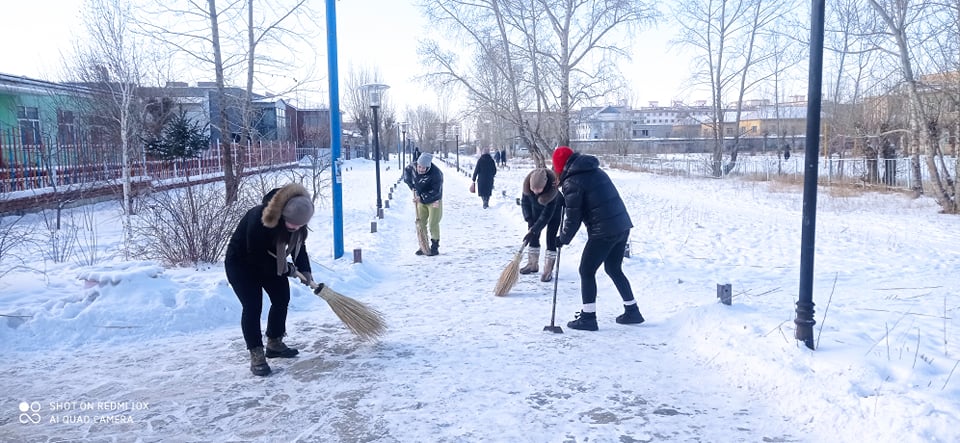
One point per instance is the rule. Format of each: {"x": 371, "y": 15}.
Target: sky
{"x": 386, "y": 40}
{"x": 134, "y": 350}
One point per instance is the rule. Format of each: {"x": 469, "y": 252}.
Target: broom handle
{"x": 317, "y": 287}
{"x": 556, "y": 278}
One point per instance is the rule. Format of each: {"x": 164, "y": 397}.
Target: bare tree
{"x": 544, "y": 56}
{"x": 111, "y": 63}
{"x": 194, "y": 32}
{"x": 904, "y": 24}
{"x": 729, "y": 36}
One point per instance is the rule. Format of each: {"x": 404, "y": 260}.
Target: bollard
{"x": 373, "y": 226}
{"x": 357, "y": 256}
{"x": 724, "y": 293}
{"x": 386, "y": 204}
{"x": 626, "y": 250}
{"x": 380, "y": 213}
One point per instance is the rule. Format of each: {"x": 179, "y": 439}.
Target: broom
{"x": 421, "y": 229}
{"x": 510, "y": 274}
{"x": 365, "y": 322}
{"x": 422, "y": 237}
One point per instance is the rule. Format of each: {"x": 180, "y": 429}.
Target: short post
{"x": 373, "y": 226}
{"x": 386, "y": 203}
{"x": 626, "y": 249}
{"x": 357, "y": 256}
{"x": 724, "y": 293}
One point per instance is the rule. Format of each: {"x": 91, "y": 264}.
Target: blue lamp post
{"x": 375, "y": 90}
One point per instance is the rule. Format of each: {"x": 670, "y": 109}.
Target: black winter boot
{"x": 276, "y": 348}
{"x": 258, "y": 362}
{"x": 631, "y": 315}
{"x": 434, "y": 247}
{"x": 584, "y": 321}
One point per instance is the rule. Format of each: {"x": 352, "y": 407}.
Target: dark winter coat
{"x": 539, "y": 209}
{"x": 428, "y": 186}
{"x": 409, "y": 172}
{"x": 262, "y": 231}
{"x": 592, "y": 199}
{"x": 483, "y": 174}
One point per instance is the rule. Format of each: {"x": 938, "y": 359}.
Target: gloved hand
{"x": 291, "y": 270}
{"x": 307, "y": 278}
{"x": 559, "y": 241}
{"x": 530, "y": 236}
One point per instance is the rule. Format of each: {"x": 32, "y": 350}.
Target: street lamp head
{"x": 374, "y": 91}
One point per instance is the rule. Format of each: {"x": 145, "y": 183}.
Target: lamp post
{"x": 456, "y": 137}
{"x": 375, "y": 90}
{"x": 403, "y": 136}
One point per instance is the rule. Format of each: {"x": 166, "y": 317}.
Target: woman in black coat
{"x": 256, "y": 261}
{"x": 592, "y": 199}
{"x": 542, "y": 206}
{"x": 483, "y": 174}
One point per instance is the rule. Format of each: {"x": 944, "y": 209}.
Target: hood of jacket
{"x": 276, "y": 199}
{"x": 550, "y": 191}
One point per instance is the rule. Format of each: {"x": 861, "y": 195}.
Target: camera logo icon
{"x": 30, "y": 412}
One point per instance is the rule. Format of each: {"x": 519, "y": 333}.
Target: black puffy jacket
{"x": 429, "y": 185}
{"x": 591, "y": 198}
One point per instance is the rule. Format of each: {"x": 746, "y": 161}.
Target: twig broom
{"x": 510, "y": 274}
{"x": 422, "y": 237}
{"x": 367, "y": 323}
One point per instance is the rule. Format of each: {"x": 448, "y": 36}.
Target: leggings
{"x": 248, "y": 284}
{"x": 609, "y": 252}
{"x": 553, "y": 226}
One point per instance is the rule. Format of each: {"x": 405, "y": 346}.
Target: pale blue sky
{"x": 371, "y": 33}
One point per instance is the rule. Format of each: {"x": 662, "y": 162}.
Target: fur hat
{"x": 484, "y": 150}
{"x": 560, "y": 156}
{"x": 298, "y": 210}
{"x": 538, "y": 178}
{"x": 425, "y": 159}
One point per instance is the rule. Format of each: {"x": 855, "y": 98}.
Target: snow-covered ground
{"x": 133, "y": 351}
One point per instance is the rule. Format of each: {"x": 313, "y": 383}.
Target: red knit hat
{"x": 560, "y": 156}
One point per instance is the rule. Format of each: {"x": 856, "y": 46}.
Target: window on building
{"x": 28, "y": 119}
{"x": 66, "y": 128}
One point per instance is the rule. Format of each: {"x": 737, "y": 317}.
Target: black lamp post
{"x": 456, "y": 137}
{"x": 403, "y": 136}
{"x": 375, "y": 90}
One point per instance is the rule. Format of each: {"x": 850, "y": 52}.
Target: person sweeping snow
{"x": 426, "y": 181}
{"x": 256, "y": 261}
{"x": 591, "y": 198}
{"x": 542, "y": 206}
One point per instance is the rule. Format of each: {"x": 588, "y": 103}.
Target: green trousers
{"x": 429, "y": 216}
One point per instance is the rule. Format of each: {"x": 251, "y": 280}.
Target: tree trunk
{"x": 230, "y": 179}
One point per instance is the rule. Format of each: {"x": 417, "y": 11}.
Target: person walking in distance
{"x": 483, "y": 174}
{"x": 542, "y": 206}
{"x": 427, "y": 186}
{"x": 256, "y": 261}
{"x": 591, "y": 198}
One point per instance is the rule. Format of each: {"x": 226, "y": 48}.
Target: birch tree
{"x": 111, "y": 62}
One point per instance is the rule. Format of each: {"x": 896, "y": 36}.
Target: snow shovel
{"x": 365, "y": 322}
{"x": 553, "y": 313}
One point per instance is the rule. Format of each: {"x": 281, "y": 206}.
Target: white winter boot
{"x": 533, "y": 261}
{"x": 548, "y": 266}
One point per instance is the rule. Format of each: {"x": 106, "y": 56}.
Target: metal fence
{"x": 33, "y": 167}
{"x": 893, "y": 173}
